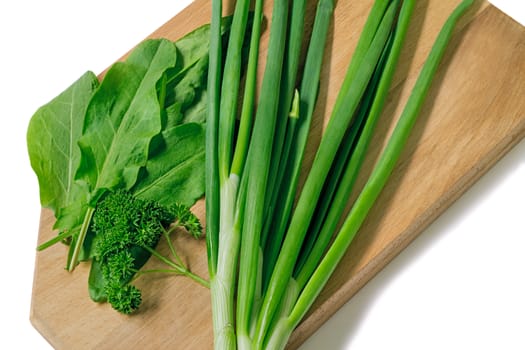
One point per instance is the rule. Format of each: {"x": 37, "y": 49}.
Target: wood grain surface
{"x": 474, "y": 114}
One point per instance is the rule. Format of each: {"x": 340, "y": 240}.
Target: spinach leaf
{"x": 188, "y": 83}
{"x": 121, "y": 120}
{"x": 189, "y": 91}
{"x": 52, "y": 137}
{"x": 123, "y": 116}
{"x": 175, "y": 174}
{"x": 196, "y": 44}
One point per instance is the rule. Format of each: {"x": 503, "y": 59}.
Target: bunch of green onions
{"x": 272, "y": 247}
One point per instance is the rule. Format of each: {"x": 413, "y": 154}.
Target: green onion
{"x": 230, "y": 88}
{"x": 363, "y": 44}
{"x": 308, "y": 93}
{"x": 212, "y": 120}
{"x": 283, "y": 129}
{"x": 227, "y": 231}
{"x": 381, "y": 171}
{"x": 327, "y": 212}
{"x": 311, "y": 191}
{"x": 384, "y": 77}
{"x": 212, "y": 175}
{"x": 259, "y": 160}
{"x": 270, "y": 254}
{"x": 241, "y": 147}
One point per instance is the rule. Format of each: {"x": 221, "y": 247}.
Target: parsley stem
{"x": 182, "y": 270}
{"x": 189, "y": 274}
{"x": 170, "y": 243}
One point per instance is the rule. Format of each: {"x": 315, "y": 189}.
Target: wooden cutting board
{"x": 474, "y": 114}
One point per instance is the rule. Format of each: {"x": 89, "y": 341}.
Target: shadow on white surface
{"x": 352, "y": 326}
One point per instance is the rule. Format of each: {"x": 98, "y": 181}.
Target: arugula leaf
{"x": 52, "y": 137}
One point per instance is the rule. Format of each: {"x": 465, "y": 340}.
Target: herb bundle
{"x": 119, "y": 160}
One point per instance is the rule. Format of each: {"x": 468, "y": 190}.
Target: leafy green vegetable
{"x": 186, "y": 82}
{"x": 196, "y": 44}
{"x": 140, "y": 130}
{"x": 186, "y": 93}
{"x": 122, "y": 118}
{"x": 52, "y": 137}
{"x": 175, "y": 174}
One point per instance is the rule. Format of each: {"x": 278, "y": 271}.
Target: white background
{"x": 460, "y": 285}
